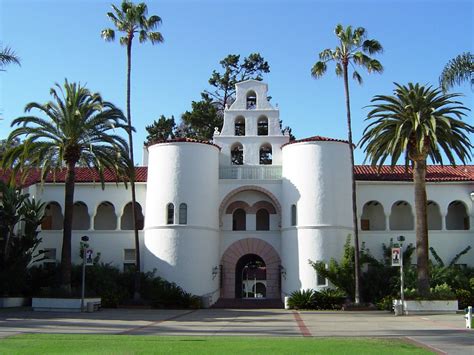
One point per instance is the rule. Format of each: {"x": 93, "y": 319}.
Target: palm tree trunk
{"x": 67, "y": 227}
{"x": 421, "y": 228}
{"x": 136, "y": 294}
{"x": 354, "y": 195}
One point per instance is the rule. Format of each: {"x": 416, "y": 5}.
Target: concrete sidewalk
{"x": 442, "y": 333}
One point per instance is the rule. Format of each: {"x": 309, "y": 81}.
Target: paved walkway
{"x": 442, "y": 333}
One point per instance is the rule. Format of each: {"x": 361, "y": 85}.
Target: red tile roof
{"x": 435, "y": 173}
{"x": 178, "y": 140}
{"x": 83, "y": 175}
{"x": 316, "y": 139}
{"x": 398, "y": 173}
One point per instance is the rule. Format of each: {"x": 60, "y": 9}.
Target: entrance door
{"x": 250, "y": 277}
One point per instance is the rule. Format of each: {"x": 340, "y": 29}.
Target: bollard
{"x": 286, "y": 302}
{"x": 90, "y": 307}
{"x": 468, "y": 317}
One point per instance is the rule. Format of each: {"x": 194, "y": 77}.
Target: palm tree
{"x": 354, "y": 50}
{"x": 80, "y": 129}
{"x": 131, "y": 20}
{"x": 457, "y": 71}
{"x": 417, "y": 122}
{"x": 8, "y": 56}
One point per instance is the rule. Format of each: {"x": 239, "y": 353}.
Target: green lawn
{"x": 136, "y": 344}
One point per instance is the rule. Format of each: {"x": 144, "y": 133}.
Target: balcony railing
{"x": 250, "y": 172}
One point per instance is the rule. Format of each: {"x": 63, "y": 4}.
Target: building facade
{"x": 241, "y": 216}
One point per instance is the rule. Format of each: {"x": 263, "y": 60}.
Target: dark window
{"x": 251, "y": 100}
{"x": 293, "y": 215}
{"x": 263, "y": 220}
{"x": 170, "y": 214}
{"x": 183, "y": 213}
{"x": 239, "y": 222}
{"x": 240, "y": 126}
{"x": 266, "y": 154}
{"x": 237, "y": 154}
{"x": 262, "y": 129}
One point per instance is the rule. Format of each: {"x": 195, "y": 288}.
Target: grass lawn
{"x": 136, "y": 344}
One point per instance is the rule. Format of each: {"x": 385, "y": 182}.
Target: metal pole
{"x": 402, "y": 295}
{"x": 83, "y": 277}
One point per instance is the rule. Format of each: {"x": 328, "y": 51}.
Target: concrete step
{"x": 248, "y": 303}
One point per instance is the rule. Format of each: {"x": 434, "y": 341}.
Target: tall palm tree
{"x": 80, "y": 129}
{"x": 354, "y": 50}
{"x": 131, "y": 20}
{"x": 457, "y": 71}
{"x": 8, "y": 56}
{"x": 417, "y": 122}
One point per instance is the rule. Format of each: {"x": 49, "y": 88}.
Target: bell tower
{"x": 251, "y": 133}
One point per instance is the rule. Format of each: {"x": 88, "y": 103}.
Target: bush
{"x": 329, "y": 299}
{"x": 442, "y": 292}
{"x": 302, "y": 299}
{"x": 465, "y": 298}
{"x": 385, "y": 304}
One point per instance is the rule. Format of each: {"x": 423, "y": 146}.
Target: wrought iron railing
{"x": 250, "y": 172}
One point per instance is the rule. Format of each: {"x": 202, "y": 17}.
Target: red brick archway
{"x": 250, "y": 246}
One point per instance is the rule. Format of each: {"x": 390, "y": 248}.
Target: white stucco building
{"x": 254, "y": 206}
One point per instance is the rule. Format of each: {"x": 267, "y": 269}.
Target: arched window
{"x": 373, "y": 217}
{"x": 237, "y": 154}
{"x": 105, "y": 218}
{"x": 53, "y": 217}
{"x": 266, "y": 154}
{"x": 170, "y": 214}
{"x": 262, "y": 129}
{"x": 126, "y": 221}
{"x": 80, "y": 217}
{"x": 457, "y": 217}
{"x": 239, "y": 222}
{"x": 251, "y": 100}
{"x": 239, "y": 126}
{"x": 434, "y": 216}
{"x": 401, "y": 217}
{"x": 293, "y": 215}
{"x": 183, "y": 213}
{"x": 263, "y": 220}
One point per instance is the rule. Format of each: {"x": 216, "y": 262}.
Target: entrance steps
{"x": 249, "y": 303}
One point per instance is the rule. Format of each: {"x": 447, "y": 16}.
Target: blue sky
{"x": 61, "y": 39}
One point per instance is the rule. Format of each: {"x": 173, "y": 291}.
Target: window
{"x": 129, "y": 259}
{"x": 183, "y": 213}
{"x": 266, "y": 154}
{"x": 263, "y": 220}
{"x": 262, "y": 126}
{"x": 170, "y": 214}
{"x": 239, "y": 222}
{"x": 237, "y": 154}
{"x": 293, "y": 215}
{"x": 401, "y": 217}
{"x": 251, "y": 100}
{"x": 53, "y": 217}
{"x": 126, "y": 221}
{"x": 457, "y": 217}
{"x": 240, "y": 126}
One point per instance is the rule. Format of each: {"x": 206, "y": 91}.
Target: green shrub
{"x": 465, "y": 298}
{"x": 385, "y": 304}
{"x": 329, "y": 299}
{"x": 442, "y": 292}
{"x": 302, "y": 299}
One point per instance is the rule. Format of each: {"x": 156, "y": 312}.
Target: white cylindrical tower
{"x": 316, "y": 208}
{"x": 181, "y": 222}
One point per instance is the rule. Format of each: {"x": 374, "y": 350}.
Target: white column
{"x": 387, "y": 222}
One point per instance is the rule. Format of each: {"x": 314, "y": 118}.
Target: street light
{"x": 401, "y": 239}
{"x": 84, "y": 240}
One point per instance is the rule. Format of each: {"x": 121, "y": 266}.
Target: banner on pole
{"x": 89, "y": 254}
{"x": 395, "y": 256}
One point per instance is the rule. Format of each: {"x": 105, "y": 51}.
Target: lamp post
{"x": 401, "y": 239}
{"x": 84, "y": 240}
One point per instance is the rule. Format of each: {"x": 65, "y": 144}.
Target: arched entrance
{"x": 263, "y": 265}
{"x": 250, "y": 272}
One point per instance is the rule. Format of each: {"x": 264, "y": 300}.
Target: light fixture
{"x": 282, "y": 271}
{"x": 472, "y": 196}
{"x": 215, "y": 271}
